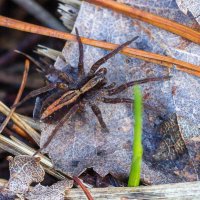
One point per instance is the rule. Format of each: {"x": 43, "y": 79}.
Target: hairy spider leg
{"x": 112, "y": 85}
{"x": 49, "y": 69}
{"x": 37, "y": 92}
{"x": 51, "y": 98}
{"x": 102, "y": 71}
{"x": 98, "y": 114}
{"x": 97, "y": 64}
{"x": 132, "y": 83}
{"x": 129, "y": 101}
{"x": 72, "y": 111}
{"x": 63, "y": 76}
{"x": 46, "y": 70}
{"x": 81, "y": 72}
{"x": 116, "y": 100}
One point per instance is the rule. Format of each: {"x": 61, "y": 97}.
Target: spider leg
{"x": 35, "y": 93}
{"x": 127, "y": 100}
{"x": 81, "y": 71}
{"x": 132, "y": 83}
{"x": 108, "y": 87}
{"x": 43, "y": 68}
{"x": 51, "y": 98}
{"x": 116, "y": 100}
{"x": 97, "y": 64}
{"x": 61, "y": 75}
{"x": 72, "y": 111}
{"x": 98, "y": 114}
{"x": 50, "y": 70}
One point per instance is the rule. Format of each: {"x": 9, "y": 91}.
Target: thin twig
{"x": 21, "y": 89}
{"x": 147, "y": 56}
{"x": 85, "y": 190}
{"x": 155, "y": 20}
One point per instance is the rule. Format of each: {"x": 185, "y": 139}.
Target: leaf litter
{"x": 80, "y": 143}
{"x": 192, "y": 6}
{"x": 25, "y": 170}
{"x": 171, "y": 130}
{"x": 55, "y": 191}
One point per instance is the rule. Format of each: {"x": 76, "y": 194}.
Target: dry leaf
{"x": 56, "y": 191}
{"x": 6, "y": 195}
{"x": 81, "y": 144}
{"x": 23, "y": 171}
{"x": 192, "y": 6}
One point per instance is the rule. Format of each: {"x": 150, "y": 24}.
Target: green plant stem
{"x": 134, "y": 176}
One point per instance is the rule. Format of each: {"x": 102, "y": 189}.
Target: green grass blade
{"x": 134, "y": 176}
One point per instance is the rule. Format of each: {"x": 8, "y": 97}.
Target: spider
{"x": 74, "y": 93}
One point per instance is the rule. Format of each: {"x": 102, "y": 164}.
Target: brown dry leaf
{"x": 56, "y": 191}
{"x": 192, "y": 6}
{"x": 23, "y": 171}
{"x": 81, "y": 144}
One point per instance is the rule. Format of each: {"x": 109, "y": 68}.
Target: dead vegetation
{"x": 77, "y": 142}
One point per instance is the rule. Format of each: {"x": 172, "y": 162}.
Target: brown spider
{"x": 73, "y": 93}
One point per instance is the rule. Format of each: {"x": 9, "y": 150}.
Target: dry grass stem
{"x": 19, "y": 122}
{"x": 147, "y": 56}
{"x": 22, "y": 149}
{"x": 48, "y": 52}
{"x": 21, "y": 89}
{"x": 16, "y": 147}
{"x": 35, "y": 124}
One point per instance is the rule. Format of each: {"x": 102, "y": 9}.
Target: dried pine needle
{"x": 21, "y": 123}
{"x": 21, "y": 89}
{"x": 146, "y": 56}
{"x": 161, "y": 22}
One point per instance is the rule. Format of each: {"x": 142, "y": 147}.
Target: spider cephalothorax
{"x": 73, "y": 93}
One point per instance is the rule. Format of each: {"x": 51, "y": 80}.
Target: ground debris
{"x": 80, "y": 143}
{"x": 23, "y": 171}
{"x": 55, "y": 191}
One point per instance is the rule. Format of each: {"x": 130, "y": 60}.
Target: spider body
{"x": 71, "y": 96}
{"x": 74, "y": 93}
